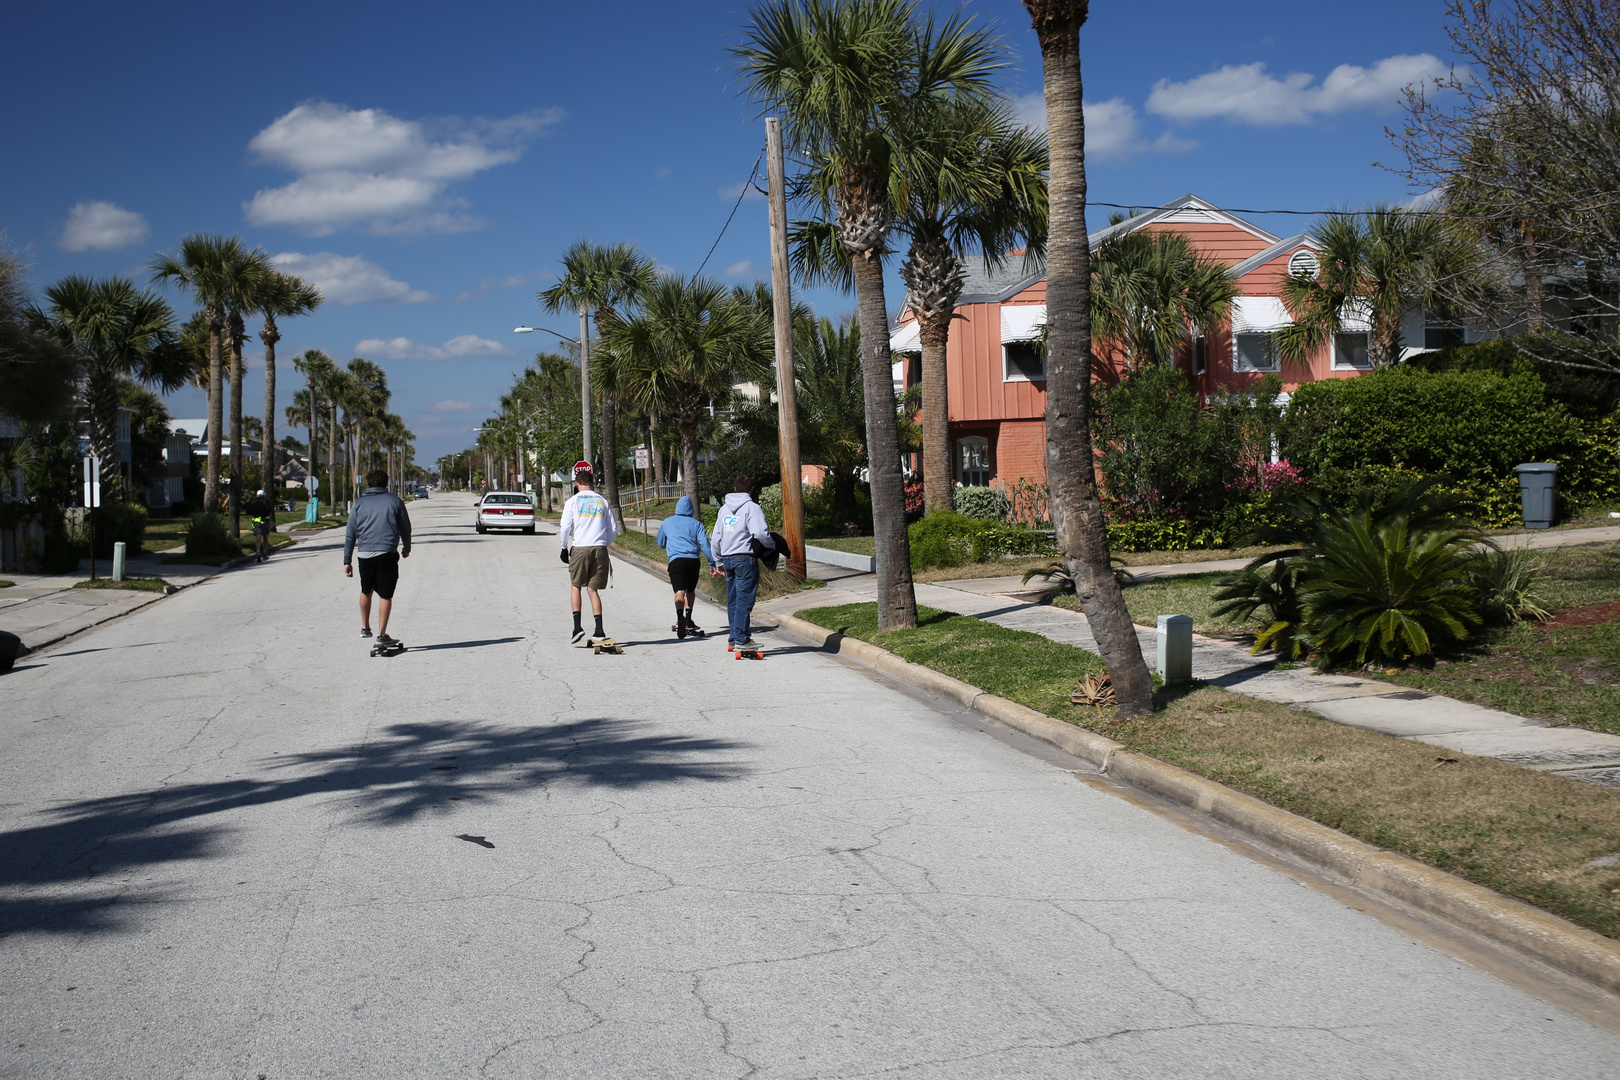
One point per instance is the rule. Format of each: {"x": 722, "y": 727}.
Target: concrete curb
{"x": 1538, "y": 935}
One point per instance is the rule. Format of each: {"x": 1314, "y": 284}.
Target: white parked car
{"x": 505, "y": 510}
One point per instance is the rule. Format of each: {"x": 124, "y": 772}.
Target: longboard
{"x": 394, "y": 649}
{"x": 599, "y": 645}
{"x": 749, "y": 654}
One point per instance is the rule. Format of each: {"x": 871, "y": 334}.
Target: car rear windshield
{"x": 510, "y": 500}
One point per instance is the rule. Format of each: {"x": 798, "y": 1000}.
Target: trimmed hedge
{"x": 980, "y": 502}
{"x": 946, "y": 539}
{"x": 1470, "y": 427}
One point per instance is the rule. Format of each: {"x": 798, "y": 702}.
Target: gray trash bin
{"x": 1538, "y": 484}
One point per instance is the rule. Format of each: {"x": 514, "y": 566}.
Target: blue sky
{"x": 428, "y": 164}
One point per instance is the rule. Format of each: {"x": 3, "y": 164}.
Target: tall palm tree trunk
{"x": 689, "y": 472}
{"x": 331, "y": 454}
{"x": 237, "y": 449}
{"x": 270, "y": 338}
{"x": 101, "y": 397}
{"x": 897, "y": 600}
{"x": 1077, "y": 516}
{"x": 610, "y": 455}
{"x": 936, "y": 420}
{"x": 216, "y": 416}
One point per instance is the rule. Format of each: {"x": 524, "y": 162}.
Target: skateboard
{"x": 756, "y": 653}
{"x": 393, "y": 648}
{"x": 599, "y": 645}
{"x": 689, "y": 631}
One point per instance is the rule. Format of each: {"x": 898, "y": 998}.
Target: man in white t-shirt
{"x": 587, "y": 521}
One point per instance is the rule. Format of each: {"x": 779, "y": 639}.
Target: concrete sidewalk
{"x": 42, "y": 609}
{"x": 1589, "y": 756}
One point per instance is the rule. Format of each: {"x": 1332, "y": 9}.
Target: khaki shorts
{"x": 588, "y": 567}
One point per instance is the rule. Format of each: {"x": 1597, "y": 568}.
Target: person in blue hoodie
{"x": 682, "y": 538}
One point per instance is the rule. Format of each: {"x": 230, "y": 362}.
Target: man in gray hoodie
{"x": 378, "y": 525}
{"x": 738, "y": 526}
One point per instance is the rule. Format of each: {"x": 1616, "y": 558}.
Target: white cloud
{"x": 1113, "y": 128}
{"x": 746, "y": 189}
{"x": 102, "y": 226}
{"x": 367, "y": 168}
{"x": 660, "y": 174}
{"x": 1246, "y": 93}
{"x": 740, "y": 269}
{"x": 462, "y": 347}
{"x": 349, "y": 279}
{"x": 441, "y": 407}
{"x": 490, "y": 283}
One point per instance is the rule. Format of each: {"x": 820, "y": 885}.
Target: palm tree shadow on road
{"x": 71, "y": 874}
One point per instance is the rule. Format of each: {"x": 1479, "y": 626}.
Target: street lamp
{"x": 584, "y": 345}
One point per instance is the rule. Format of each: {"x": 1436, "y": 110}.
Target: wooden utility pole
{"x": 585, "y": 383}
{"x": 787, "y": 407}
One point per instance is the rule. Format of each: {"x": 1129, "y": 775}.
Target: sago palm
{"x": 604, "y": 281}
{"x": 279, "y": 296}
{"x": 1076, "y": 508}
{"x": 843, "y": 77}
{"x": 120, "y": 332}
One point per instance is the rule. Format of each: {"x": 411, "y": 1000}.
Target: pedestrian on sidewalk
{"x": 379, "y": 535}
{"x": 262, "y": 514}
{"x": 683, "y": 539}
{"x": 587, "y": 521}
{"x": 740, "y": 534}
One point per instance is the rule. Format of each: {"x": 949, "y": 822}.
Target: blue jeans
{"x": 742, "y": 584}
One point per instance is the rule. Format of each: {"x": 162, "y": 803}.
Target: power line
{"x": 740, "y": 196}
{"x": 1139, "y": 208}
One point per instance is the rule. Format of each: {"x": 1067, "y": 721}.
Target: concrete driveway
{"x": 232, "y": 844}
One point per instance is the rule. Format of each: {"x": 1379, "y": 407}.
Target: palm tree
{"x": 220, "y": 272}
{"x": 121, "y": 333}
{"x": 1082, "y": 536}
{"x": 279, "y": 296}
{"x": 1374, "y": 267}
{"x": 317, "y": 368}
{"x": 846, "y": 77}
{"x": 976, "y": 180}
{"x": 1152, "y": 291}
{"x": 602, "y": 281}
{"x": 38, "y": 373}
{"x": 685, "y": 347}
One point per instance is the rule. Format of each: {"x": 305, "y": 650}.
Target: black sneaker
{"x": 384, "y": 639}
{"x": 680, "y": 631}
{"x": 578, "y": 634}
{"x": 365, "y": 631}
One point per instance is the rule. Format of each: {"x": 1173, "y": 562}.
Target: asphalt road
{"x": 232, "y": 844}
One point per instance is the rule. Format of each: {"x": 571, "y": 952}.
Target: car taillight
{"x": 521, "y": 511}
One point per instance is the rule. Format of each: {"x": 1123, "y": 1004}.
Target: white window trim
{"x": 1271, "y": 349}
{"x": 1333, "y": 353}
{"x": 1008, "y": 376}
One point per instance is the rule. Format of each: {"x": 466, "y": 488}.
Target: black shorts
{"x": 379, "y": 574}
{"x": 683, "y": 574}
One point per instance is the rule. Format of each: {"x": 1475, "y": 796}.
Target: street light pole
{"x": 584, "y": 345}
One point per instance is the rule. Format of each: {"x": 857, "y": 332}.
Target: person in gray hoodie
{"x": 739, "y": 525}
{"x": 378, "y": 525}
{"x": 683, "y": 539}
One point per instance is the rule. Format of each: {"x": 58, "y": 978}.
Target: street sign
{"x": 643, "y": 458}
{"x": 312, "y": 483}
{"x": 92, "y": 481}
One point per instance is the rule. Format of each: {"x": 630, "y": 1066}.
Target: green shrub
{"x": 119, "y": 521}
{"x": 946, "y": 538}
{"x": 760, "y": 462}
{"x": 1505, "y": 582}
{"x": 208, "y": 534}
{"x": 980, "y": 502}
{"x": 1469, "y": 427}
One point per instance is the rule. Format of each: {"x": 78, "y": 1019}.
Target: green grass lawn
{"x": 1525, "y": 833}
{"x": 1565, "y": 672}
{"x": 246, "y": 542}
{"x": 1190, "y": 595}
{"x": 144, "y": 584}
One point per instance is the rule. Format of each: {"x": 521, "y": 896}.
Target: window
{"x": 914, "y": 370}
{"x": 1022, "y": 362}
{"x": 1303, "y": 263}
{"x": 1253, "y": 352}
{"x": 1200, "y": 355}
{"x": 1442, "y": 335}
{"x": 1350, "y": 350}
{"x": 973, "y": 461}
